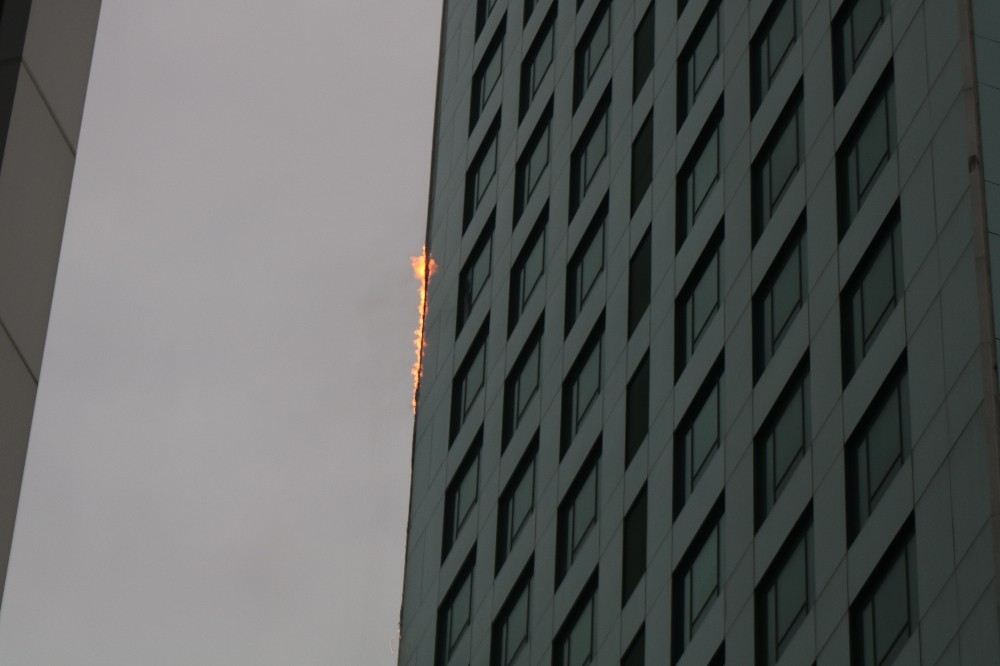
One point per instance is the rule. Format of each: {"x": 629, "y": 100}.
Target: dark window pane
{"x": 871, "y": 296}
{"x": 698, "y": 302}
{"x": 697, "y": 60}
{"x": 642, "y": 161}
{"x": 589, "y": 153}
{"x": 867, "y": 149}
{"x": 854, "y": 27}
{"x": 877, "y": 448}
{"x": 891, "y": 610}
{"x": 697, "y": 438}
{"x": 635, "y": 655}
{"x": 591, "y": 50}
{"x": 785, "y": 595}
{"x": 771, "y": 44}
{"x": 577, "y": 515}
{"x": 781, "y": 443}
{"x": 637, "y": 410}
{"x": 533, "y": 164}
{"x": 698, "y": 176}
{"x": 696, "y": 582}
{"x": 538, "y": 61}
{"x": 582, "y": 386}
{"x": 643, "y": 51}
{"x": 528, "y": 270}
{"x": 474, "y": 275}
{"x": 585, "y": 266}
{"x": 883, "y": 616}
{"x": 486, "y": 77}
{"x": 639, "y": 277}
{"x": 634, "y": 546}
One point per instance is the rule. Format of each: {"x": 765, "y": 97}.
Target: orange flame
{"x": 423, "y": 268}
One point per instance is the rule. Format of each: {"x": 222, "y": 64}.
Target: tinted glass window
{"x": 522, "y": 385}
{"x": 777, "y": 164}
{"x": 577, "y": 516}
{"x": 643, "y": 51}
{"x": 469, "y": 381}
{"x": 642, "y": 161}
{"x": 634, "y": 546}
{"x": 590, "y": 52}
{"x": 697, "y": 438}
{"x": 487, "y": 77}
{"x": 877, "y": 449}
{"x": 855, "y": 27}
{"x": 785, "y": 596}
{"x": 584, "y": 268}
{"x": 475, "y": 274}
{"x": 884, "y": 616}
{"x": 516, "y": 504}
{"x": 528, "y": 270}
{"x": 871, "y": 296}
{"x": 697, "y": 304}
{"x": 771, "y": 45}
{"x": 636, "y": 653}
{"x": 582, "y": 386}
{"x": 460, "y": 497}
{"x": 481, "y": 173}
{"x": 510, "y": 631}
{"x": 781, "y": 443}
{"x": 779, "y": 299}
{"x": 575, "y": 645}
{"x": 697, "y": 60}
{"x": 637, "y": 409}
{"x": 696, "y": 583}
{"x": 866, "y": 150}
{"x": 538, "y": 61}
{"x": 639, "y": 278}
{"x": 697, "y": 178}
{"x": 589, "y": 154}
{"x": 532, "y": 165}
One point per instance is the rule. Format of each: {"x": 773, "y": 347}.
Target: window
{"x": 634, "y": 546}
{"x": 642, "y": 161}
{"x": 876, "y": 450}
{"x": 529, "y": 267}
{"x": 533, "y": 164}
{"x": 510, "y": 629}
{"x": 475, "y": 274}
{"x": 854, "y": 28}
{"x": 871, "y": 295}
{"x": 639, "y": 280}
{"x": 781, "y": 442}
{"x": 697, "y": 439}
{"x": 522, "y": 384}
{"x": 696, "y": 582}
{"x": 582, "y": 387}
{"x": 637, "y": 409}
{"x": 777, "y": 164}
{"x": 517, "y": 501}
{"x": 698, "y": 302}
{"x": 698, "y": 176}
{"x": 635, "y": 655}
{"x": 455, "y": 614}
{"x": 586, "y": 264}
{"x": 461, "y": 495}
{"x": 483, "y": 10}
{"x": 867, "y": 149}
{"x": 785, "y": 594}
{"x": 577, "y": 514}
{"x": 486, "y": 77}
{"x": 590, "y": 51}
{"x": 529, "y": 9}
{"x": 697, "y": 59}
{"x": 536, "y": 64}
{"x": 574, "y": 645}
{"x": 779, "y": 298}
{"x": 643, "y": 50}
{"x": 770, "y": 45}
{"x": 885, "y": 613}
{"x": 589, "y": 153}
{"x": 469, "y": 381}
{"x": 480, "y": 175}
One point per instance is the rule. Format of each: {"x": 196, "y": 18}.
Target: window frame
{"x": 687, "y": 63}
{"x": 771, "y": 639}
{"x": 685, "y": 477}
{"x": 576, "y": 296}
{"x": 767, "y": 335}
{"x": 686, "y": 338}
{"x": 688, "y": 214}
{"x": 453, "y": 523}
{"x": 507, "y": 531}
{"x": 478, "y": 101}
{"x": 526, "y": 183}
{"x": 580, "y": 183}
{"x": 446, "y": 643}
{"x": 640, "y": 279}
{"x": 760, "y": 46}
{"x": 586, "y": 64}
{"x": 573, "y": 414}
{"x": 845, "y": 66}
{"x": 636, "y": 526}
{"x": 531, "y": 76}
{"x": 685, "y": 620}
{"x": 637, "y": 410}
{"x": 641, "y": 174}
{"x": 521, "y": 591}
{"x": 515, "y": 405}
{"x": 461, "y": 405}
{"x": 467, "y": 299}
{"x": 765, "y": 200}
{"x": 520, "y": 292}
{"x": 475, "y": 192}
{"x": 643, "y": 50}
{"x": 568, "y": 542}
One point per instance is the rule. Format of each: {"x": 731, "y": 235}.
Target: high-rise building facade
{"x": 711, "y": 351}
{"x": 45, "y": 50}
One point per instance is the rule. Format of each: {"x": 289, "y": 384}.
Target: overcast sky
{"x": 218, "y": 469}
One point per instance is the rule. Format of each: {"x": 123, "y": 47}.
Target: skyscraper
{"x": 45, "y": 49}
{"x": 711, "y": 350}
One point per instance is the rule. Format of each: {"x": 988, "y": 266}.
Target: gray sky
{"x": 219, "y": 464}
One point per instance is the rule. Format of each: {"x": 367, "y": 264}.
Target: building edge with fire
{"x": 710, "y": 359}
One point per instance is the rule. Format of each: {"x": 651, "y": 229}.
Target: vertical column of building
{"x": 45, "y": 49}
{"x": 703, "y": 381}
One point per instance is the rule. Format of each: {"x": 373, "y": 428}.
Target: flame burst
{"x": 423, "y": 268}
